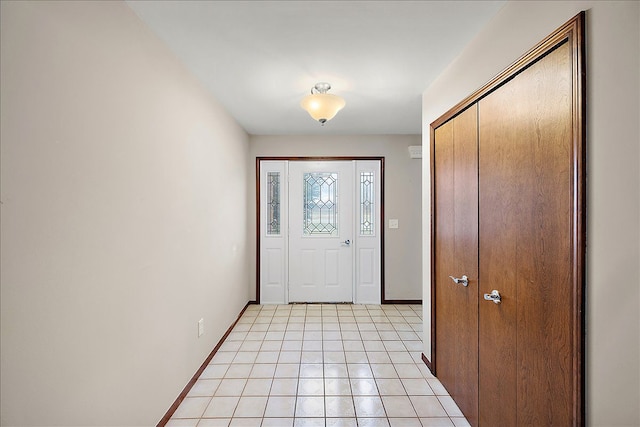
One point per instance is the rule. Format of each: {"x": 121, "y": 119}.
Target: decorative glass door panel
{"x": 367, "y": 203}
{"x": 273, "y": 203}
{"x": 320, "y": 203}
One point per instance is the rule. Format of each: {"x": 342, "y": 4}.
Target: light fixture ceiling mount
{"x": 321, "y": 105}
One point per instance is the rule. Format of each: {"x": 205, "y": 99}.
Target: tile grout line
{"x": 322, "y": 327}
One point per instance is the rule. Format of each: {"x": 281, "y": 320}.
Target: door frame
{"x": 313, "y": 159}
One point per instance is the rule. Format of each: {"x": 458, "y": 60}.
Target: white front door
{"x": 321, "y": 205}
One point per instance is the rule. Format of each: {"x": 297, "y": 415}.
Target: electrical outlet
{"x": 200, "y": 327}
{"x": 393, "y": 223}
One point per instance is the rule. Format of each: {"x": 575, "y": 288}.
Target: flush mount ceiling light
{"x": 321, "y": 105}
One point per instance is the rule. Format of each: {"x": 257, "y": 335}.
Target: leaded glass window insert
{"x": 367, "y": 203}
{"x": 320, "y": 198}
{"x": 273, "y": 203}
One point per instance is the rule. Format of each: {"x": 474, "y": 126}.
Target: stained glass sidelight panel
{"x": 273, "y": 203}
{"x": 320, "y": 198}
{"x": 367, "y": 203}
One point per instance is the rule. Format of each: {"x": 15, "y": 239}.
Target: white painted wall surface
{"x": 123, "y": 187}
{"x": 403, "y": 268}
{"x": 613, "y": 188}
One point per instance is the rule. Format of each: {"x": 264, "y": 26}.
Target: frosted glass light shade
{"x": 322, "y": 106}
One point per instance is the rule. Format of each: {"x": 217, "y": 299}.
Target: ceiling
{"x": 260, "y": 58}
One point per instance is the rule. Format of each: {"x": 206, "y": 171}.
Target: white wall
{"x": 613, "y": 188}
{"x": 403, "y": 268}
{"x": 123, "y": 190}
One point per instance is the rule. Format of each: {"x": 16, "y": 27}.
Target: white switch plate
{"x": 200, "y": 327}
{"x": 393, "y": 223}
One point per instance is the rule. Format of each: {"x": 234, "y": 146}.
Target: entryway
{"x": 320, "y": 230}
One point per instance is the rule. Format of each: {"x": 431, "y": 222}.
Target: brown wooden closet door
{"x": 525, "y": 158}
{"x": 456, "y": 254}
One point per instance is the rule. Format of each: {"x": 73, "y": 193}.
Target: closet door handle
{"x": 493, "y": 296}
{"x": 464, "y": 280}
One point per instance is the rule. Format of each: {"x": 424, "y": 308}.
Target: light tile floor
{"x": 323, "y": 365}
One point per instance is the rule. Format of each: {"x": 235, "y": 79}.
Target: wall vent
{"x": 415, "y": 151}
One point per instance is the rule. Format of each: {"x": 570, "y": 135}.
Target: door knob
{"x": 493, "y": 296}
{"x": 347, "y": 242}
{"x": 464, "y": 280}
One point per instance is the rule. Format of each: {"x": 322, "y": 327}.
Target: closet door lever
{"x": 464, "y": 280}
{"x": 493, "y": 296}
